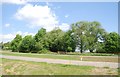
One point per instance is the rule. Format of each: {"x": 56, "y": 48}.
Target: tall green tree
{"x": 26, "y": 45}
{"x": 6, "y": 46}
{"x": 54, "y": 40}
{"x": 40, "y": 42}
{"x": 1, "y": 45}
{"x": 40, "y": 34}
{"x": 119, "y": 43}
{"x": 69, "y": 43}
{"x": 79, "y": 29}
{"x": 88, "y": 34}
{"x": 15, "y": 43}
{"x": 95, "y": 33}
{"x": 112, "y": 42}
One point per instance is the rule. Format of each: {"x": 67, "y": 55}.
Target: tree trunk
{"x": 91, "y": 51}
{"x": 81, "y": 49}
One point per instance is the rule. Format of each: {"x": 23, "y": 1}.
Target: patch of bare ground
{"x": 104, "y": 71}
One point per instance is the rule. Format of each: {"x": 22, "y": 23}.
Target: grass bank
{"x": 18, "y": 67}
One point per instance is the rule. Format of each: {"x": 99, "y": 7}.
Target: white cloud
{"x": 9, "y": 37}
{"x": 18, "y": 32}
{"x": 64, "y": 26}
{"x": 6, "y": 38}
{"x": 7, "y": 25}
{"x": 15, "y": 1}
{"x": 48, "y": 4}
{"x": 41, "y": 16}
{"x": 24, "y": 33}
{"x": 66, "y": 16}
{"x": 27, "y": 33}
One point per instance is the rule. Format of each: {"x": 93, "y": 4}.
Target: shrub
{"x": 43, "y": 51}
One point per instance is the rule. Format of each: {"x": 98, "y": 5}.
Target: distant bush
{"x": 73, "y": 53}
{"x": 100, "y": 50}
{"x": 61, "y": 52}
{"x": 44, "y": 51}
{"x": 90, "y": 54}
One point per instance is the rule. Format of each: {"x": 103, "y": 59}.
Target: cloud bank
{"x": 11, "y": 36}
{"x": 18, "y": 2}
{"x": 39, "y": 16}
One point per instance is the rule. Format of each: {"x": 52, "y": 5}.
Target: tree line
{"x": 83, "y": 35}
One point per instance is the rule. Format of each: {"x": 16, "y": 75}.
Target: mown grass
{"x": 65, "y": 57}
{"x": 18, "y": 67}
{"x": 34, "y": 68}
{"x": 92, "y": 54}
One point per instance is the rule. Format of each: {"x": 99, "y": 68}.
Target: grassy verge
{"x": 65, "y": 57}
{"x": 17, "y": 67}
{"x": 92, "y": 54}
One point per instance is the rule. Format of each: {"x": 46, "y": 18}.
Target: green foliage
{"x": 44, "y": 51}
{"x": 39, "y": 39}
{"x": 100, "y": 48}
{"x": 85, "y": 35}
{"x": 69, "y": 42}
{"x": 119, "y": 43}
{"x": 26, "y": 44}
{"x": 16, "y": 42}
{"x": 69, "y": 49}
{"x": 55, "y": 40}
{"x": 112, "y": 43}
{"x": 40, "y": 34}
{"x": 1, "y": 45}
{"x": 5, "y": 46}
{"x": 95, "y": 33}
{"x": 38, "y": 46}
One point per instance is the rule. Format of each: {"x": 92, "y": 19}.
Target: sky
{"x": 26, "y": 18}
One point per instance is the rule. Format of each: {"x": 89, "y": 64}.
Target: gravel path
{"x": 59, "y": 61}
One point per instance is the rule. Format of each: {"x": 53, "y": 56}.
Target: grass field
{"x": 17, "y": 67}
{"x": 66, "y": 57}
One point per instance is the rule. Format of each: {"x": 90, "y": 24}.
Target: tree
{"x": 79, "y": 30}
{"x": 6, "y": 46}
{"x": 16, "y": 42}
{"x": 40, "y": 42}
{"x": 119, "y": 43}
{"x": 54, "y": 40}
{"x": 41, "y": 33}
{"x": 69, "y": 44}
{"x": 101, "y": 47}
{"x": 88, "y": 35}
{"x": 94, "y": 34}
{"x": 26, "y": 45}
{"x": 112, "y": 43}
{"x": 1, "y": 45}
{"x": 34, "y": 48}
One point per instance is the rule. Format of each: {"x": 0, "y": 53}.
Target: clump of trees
{"x": 84, "y": 35}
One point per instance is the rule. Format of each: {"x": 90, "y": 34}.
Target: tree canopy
{"x": 112, "y": 42}
{"x": 83, "y": 34}
{"x": 88, "y": 34}
{"x": 16, "y": 42}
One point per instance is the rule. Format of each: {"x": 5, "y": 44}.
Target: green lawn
{"x": 65, "y": 57}
{"x": 18, "y": 67}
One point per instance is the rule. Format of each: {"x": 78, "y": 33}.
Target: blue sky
{"x": 27, "y": 18}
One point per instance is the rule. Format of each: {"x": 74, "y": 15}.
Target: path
{"x": 59, "y": 61}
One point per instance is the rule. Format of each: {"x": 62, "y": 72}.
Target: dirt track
{"x": 59, "y": 61}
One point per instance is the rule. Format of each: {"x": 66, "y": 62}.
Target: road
{"x": 59, "y": 61}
